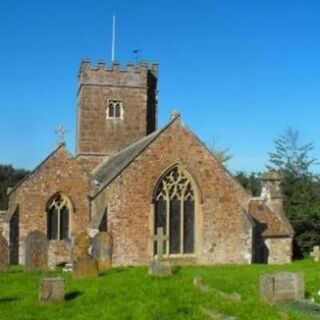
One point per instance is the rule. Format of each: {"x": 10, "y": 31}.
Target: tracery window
{"x": 114, "y": 109}
{"x": 174, "y": 212}
{"x": 58, "y": 215}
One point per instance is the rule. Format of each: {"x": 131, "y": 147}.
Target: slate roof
{"x": 112, "y": 167}
{"x": 270, "y": 223}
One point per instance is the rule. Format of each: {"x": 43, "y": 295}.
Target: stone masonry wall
{"x": 59, "y": 173}
{"x": 222, "y": 232}
{"x": 280, "y": 250}
{"x": 135, "y": 86}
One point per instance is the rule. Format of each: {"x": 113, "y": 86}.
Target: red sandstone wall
{"x": 223, "y": 235}
{"x": 60, "y": 173}
{"x": 135, "y": 86}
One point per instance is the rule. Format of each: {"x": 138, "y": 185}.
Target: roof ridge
{"x": 127, "y": 161}
{"x": 113, "y": 155}
{"x": 61, "y": 145}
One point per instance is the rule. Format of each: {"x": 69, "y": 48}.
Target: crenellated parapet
{"x": 117, "y": 106}
{"x": 131, "y": 75}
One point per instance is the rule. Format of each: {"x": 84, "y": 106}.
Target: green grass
{"x": 129, "y": 293}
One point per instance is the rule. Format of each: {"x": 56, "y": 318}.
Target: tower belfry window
{"x": 114, "y": 109}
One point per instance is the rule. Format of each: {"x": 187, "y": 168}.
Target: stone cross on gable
{"x": 61, "y": 131}
{"x": 316, "y": 253}
{"x": 160, "y": 238}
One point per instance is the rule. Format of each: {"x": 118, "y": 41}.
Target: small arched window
{"x": 58, "y": 215}
{"x": 174, "y": 212}
{"x": 114, "y": 109}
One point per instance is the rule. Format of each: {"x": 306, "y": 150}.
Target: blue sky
{"x": 240, "y": 72}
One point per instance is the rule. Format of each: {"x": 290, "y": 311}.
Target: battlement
{"x": 115, "y": 66}
{"x": 132, "y": 75}
{"x": 114, "y": 74}
{"x": 134, "y": 86}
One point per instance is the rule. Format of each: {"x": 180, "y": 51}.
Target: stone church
{"x": 129, "y": 178}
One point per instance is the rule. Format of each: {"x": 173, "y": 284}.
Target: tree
{"x": 8, "y": 178}
{"x": 222, "y": 154}
{"x": 251, "y": 182}
{"x": 301, "y": 188}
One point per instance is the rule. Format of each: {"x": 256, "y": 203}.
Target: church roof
{"x": 37, "y": 168}
{"x": 270, "y": 223}
{"x": 112, "y": 167}
{"x": 61, "y": 145}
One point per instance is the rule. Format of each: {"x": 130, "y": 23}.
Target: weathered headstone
{"x": 51, "y": 289}
{"x": 85, "y": 267}
{"x": 200, "y": 283}
{"x": 36, "y": 252}
{"x": 80, "y": 246}
{"x": 315, "y": 253}
{"x": 283, "y": 286}
{"x": 102, "y": 250}
{"x": 160, "y": 267}
{"x": 4, "y": 254}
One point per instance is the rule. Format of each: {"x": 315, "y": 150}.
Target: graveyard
{"x": 118, "y": 201}
{"x": 221, "y": 292}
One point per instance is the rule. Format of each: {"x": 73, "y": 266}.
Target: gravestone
{"x": 102, "y": 250}
{"x": 36, "y": 252}
{"x": 315, "y": 254}
{"x": 200, "y": 283}
{"x": 80, "y": 246}
{"x": 51, "y": 289}
{"x": 282, "y": 286}
{"x": 4, "y": 254}
{"x": 85, "y": 267}
{"x": 158, "y": 266}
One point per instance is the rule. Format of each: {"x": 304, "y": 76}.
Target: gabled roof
{"x": 271, "y": 223}
{"x": 108, "y": 170}
{"x": 37, "y": 168}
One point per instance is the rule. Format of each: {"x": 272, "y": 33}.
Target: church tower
{"x": 116, "y": 107}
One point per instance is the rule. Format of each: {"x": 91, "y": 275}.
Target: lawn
{"x": 129, "y": 293}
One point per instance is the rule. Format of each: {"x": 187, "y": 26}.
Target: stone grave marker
{"x": 51, "y": 289}
{"x": 80, "y": 246}
{"x": 158, "y": 266}
{"x": 4, "y": 254}
{"x": 282, "y": 286}
{"x": 101, "y": 246}
{"x": 315, "y": 253}
{"x": 200, "y": 283}
{"x": 36, "y": 252}
{"x": 85, "y": 267}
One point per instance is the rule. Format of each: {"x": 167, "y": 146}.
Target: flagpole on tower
{"x": 113, "y": 36}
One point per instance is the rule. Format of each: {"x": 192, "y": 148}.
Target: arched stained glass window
{"x": 174, "y": 212}
{"x": 58, "y": 215}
